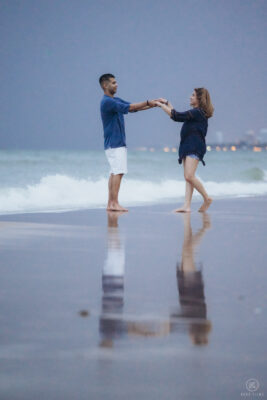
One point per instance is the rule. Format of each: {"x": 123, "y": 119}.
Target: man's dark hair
{"x": 105, "y": 77}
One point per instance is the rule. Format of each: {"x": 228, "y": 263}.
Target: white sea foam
{"x": 61, "y": 192}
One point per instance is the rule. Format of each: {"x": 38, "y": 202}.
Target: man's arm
{"x": 144, "y": 105}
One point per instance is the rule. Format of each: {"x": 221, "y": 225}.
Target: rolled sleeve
{"x": 182, "y": 116}
{"x": 117, "y": 105}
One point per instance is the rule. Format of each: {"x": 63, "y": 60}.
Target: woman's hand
{"x": 162, "y": 100}
{"x": 165, "y": 107}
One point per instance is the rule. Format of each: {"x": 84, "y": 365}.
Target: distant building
{"x": 263, "y": 136}
{"x": 219, "y": 137}
{"x": 250, "y": 137}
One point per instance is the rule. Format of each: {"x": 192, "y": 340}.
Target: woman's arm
{"x": 175, "y": 115}
{"x": 166, "y": 106}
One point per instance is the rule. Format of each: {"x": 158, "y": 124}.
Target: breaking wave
{"x": 61, "y": 192}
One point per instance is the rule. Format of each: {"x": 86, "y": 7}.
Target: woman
{"x": 192, "y": 146}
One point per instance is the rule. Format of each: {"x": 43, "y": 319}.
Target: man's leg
{"x": 109, "y": 190}
{"x": 114, "y": 187}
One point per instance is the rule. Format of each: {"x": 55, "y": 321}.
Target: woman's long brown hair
{"x": 204, "y": 101}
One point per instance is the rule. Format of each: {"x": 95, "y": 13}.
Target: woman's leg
{"x": 188, "y": 196}
{"x": 190, "y": 166}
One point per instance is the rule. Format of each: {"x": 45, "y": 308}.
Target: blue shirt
{"x": 193, "y": 132}
{"x": 112, "y": 110}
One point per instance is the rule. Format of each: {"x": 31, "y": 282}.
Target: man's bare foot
{"x": 123, "y": 209}
{"x": 205, "y": 205}
{"x": 182, "y": 210}
{"x": 115, "y": 214}
{"x": 116, "y": 207}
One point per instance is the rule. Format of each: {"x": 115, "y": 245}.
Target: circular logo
{"x": 252, "y": 385}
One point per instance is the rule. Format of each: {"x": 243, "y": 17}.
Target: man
{"x": 112, "y": 109}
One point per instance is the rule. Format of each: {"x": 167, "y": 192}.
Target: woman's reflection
{"x": 190, "y": 283}
{"x": 111, "y": 323}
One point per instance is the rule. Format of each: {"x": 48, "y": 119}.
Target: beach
{"x": 148, "y": 304}
{"x": 101, "y": 110}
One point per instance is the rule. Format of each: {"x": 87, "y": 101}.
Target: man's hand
{"x": 152, "y": 103}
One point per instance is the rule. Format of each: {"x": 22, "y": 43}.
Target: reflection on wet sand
{"x": 111, "y": 324}
{"x": 192, "y": 313}
{"x": 190, "y": 284}
{"x": 153, "y": 328}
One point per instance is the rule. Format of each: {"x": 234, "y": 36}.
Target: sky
{"x": 52, "y": 53}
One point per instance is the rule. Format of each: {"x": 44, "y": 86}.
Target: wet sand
{"x": 144, "y": 305}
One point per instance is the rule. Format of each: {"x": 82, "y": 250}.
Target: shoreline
{"x": 171, "y": 205}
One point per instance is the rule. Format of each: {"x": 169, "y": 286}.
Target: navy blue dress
{"x": 193, "y": 132}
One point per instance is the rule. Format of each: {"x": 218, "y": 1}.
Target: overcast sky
{"x": 53, "y": 52}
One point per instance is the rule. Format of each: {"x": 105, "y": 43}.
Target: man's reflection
{"x": 111, "y": 322}
{"x": 190, "y": 284}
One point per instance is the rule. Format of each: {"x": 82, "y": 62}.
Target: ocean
{"x": 54, "y": 181}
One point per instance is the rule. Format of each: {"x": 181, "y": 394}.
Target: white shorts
{"x": 117, "y": 159}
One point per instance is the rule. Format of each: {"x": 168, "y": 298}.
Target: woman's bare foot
{"x": 182, "y": 210}
{"x": 205, "y": 205}
{"x": 116, "y": 207}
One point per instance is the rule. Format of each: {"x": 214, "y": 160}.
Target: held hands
{"x": 157, "y": 102}
{"x": 152, "y": 103}
{"x": 165, "y": 105}
{"x": 160, "y": 102}
{"x": 163, "y": 102}
{"x": 146, "y": 105}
